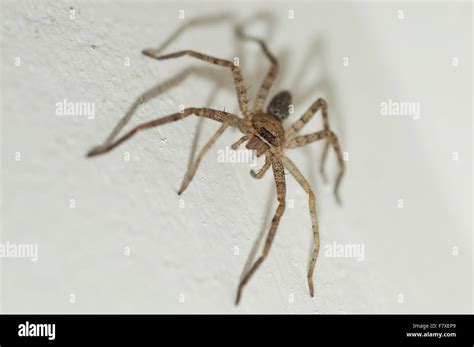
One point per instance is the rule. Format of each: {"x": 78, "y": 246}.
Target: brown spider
{"x": 264, "y": 133}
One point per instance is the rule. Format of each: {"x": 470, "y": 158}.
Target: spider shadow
{"x": 160, "y": 88}
{"x": 262, "y": 231}
{"x": 195, "y": 22}
{"x": 323, "y": 84}
{"x": 268, "y": 20}
{"x": 265, "y": 17}
{"x": 220, "y": 83}
{"x": 316, "y": 53}
{"x": 223, "y": 17}
{"x": 157, "y": 90}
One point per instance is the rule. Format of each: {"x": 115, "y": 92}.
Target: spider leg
{"x": 238, "y": 80}
{"x": 299, "y": 141}
{"x": 264, "y": 168}
{"x": 216, "y": 115}
{"x": 312, "y": 211}
{"x": 332, "y": 139}
{"x": 239, "y": 142}
{"x": 307, "y": 116}
{"x": 271, "y": 75}
{"x": 192, "y": 170}
{"x": 279, "y": 174}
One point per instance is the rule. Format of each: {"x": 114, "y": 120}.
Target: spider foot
{"x": 151, "y": 52}
{"x": 323, "y": 175}
{"x": 97, "y": 150}
{"x": 311, "y": 288}
{"x": 239, "y": 294}
{"x": 182, "y": 188}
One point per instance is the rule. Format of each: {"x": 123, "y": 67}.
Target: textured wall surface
{"x": 113, "y": 235}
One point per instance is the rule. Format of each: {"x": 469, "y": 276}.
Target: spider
{"x": 264, "y": 133}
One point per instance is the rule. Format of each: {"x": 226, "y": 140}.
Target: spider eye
{"x": 280, "y": 105}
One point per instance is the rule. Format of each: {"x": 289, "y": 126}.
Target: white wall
{"x": 190, "y": 252}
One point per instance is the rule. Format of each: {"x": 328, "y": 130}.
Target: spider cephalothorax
{"x": 262, "y": 132}
{"x": 269, "y": 128}
{"x": 270, "y": 133}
